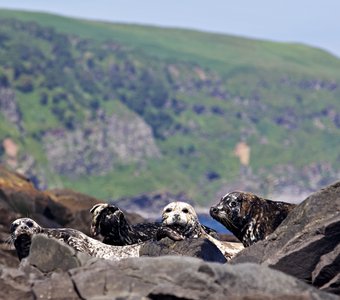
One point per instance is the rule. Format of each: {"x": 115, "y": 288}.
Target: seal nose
{"x": 177, "y": 217}
{"x": 213, "y": 210}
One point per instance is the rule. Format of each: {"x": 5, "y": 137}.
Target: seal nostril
{"x": 213, "y": 210}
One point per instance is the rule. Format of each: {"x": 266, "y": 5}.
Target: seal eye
{"x": 185, "y": 210}
{"x": 29, "y": 224}
{"x": 168, "y": 210}
{"x": 13, "y": 227}
{"x": 232, "y": 204}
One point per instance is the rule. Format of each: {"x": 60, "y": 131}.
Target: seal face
{"x": 109, "y": 221}
{"x": 181, "y": 218}
{"x": 249, "y": 217}
{"x": 23, "y": 229}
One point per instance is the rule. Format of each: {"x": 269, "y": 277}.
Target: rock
{"x": 49, "y": 273}
{"x": 10, "y": 108}
{"x": 71, "y": 209}
{"x": 187, "y": 278}
{"x": 326, "y": 274}
{"x": 48, "y": 255}
{"x": 97, "y": 145}
{"x": 200, "y": 248}
{"x": 17, "y": 194}
{"x": 14, "y": 284}
{"x": 58, "y": 286}
{"x": 307, "y": 244}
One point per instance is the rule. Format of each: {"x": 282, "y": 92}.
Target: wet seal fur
{"x": 110, "y": 222}
{"x": 23, "y": 229}
{"x": 180, "y": 221}
{"x": 249, "y": 217}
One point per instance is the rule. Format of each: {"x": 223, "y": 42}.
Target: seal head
{"x": 179, "y": 221}
{"x": 22, "y": 231}
{"x": 109, "y": 221}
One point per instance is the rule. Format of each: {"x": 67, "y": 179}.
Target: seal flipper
{"x": 172, "y": 234}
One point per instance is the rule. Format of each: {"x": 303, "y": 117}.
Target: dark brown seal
{"x": 249, "y": 217}
{"x": 109, "y": 221}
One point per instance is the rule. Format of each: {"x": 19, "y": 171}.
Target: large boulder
{"x": 307, "y": 244}
{"x": 60, "y": 274}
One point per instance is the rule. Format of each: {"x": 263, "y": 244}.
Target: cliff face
{"x": 9, "y": 107}
{"x": 97, "y": 145}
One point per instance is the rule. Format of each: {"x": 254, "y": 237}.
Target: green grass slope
{"x": 213, "y": 50}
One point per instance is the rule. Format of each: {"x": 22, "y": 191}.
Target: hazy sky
{"x": 315, "y": 23}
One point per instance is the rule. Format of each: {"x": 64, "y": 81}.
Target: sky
{"x": 315, "y": 23}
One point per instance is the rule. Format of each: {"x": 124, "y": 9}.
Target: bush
{"x": 25, "y": 84}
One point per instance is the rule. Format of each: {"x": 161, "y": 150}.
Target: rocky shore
{"x": 300, "y": 260}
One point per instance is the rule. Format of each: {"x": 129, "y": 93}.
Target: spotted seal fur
{"x": 110, "y": 222}
{"x": 23, "y": 229}
{"x": 249, "y": 217}
{"x": 180, "y": 221}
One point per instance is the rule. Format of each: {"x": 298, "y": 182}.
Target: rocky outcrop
{"x": 307, "y": 243}
{"x": 95, "y": 147}
{"x": 9, "y": 107}
{"x": 54, "y": 208}
{"x": 60, "y": 274}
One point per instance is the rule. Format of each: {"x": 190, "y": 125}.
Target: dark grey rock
{"x": 200, "y": 248}
{"x": 14, "y": 284}
{"x": 167, "y": 277}
{"x": 306, "y": 244}
{"x": 48, "y": 255}
{"x": 173, "y": 277}
{"x": 326, "y": 274}
{"x": 58, "y": 286}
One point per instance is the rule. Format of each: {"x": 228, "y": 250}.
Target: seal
{"x": 249, "y": 217}
{"x": 180, "y": 221}
{"x": 23, "y": 229}
{"x": 110, "y": 222}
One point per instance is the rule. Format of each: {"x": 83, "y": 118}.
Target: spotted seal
{"x": 110, "y": 222}
{"x": 249, "y": 217}
{"x": 180, "y": 221}
{"x": 23, "y": 229}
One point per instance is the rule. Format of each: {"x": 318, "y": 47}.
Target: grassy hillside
{"x": 68, "y": 86}
{"x": 223, "y": 52}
